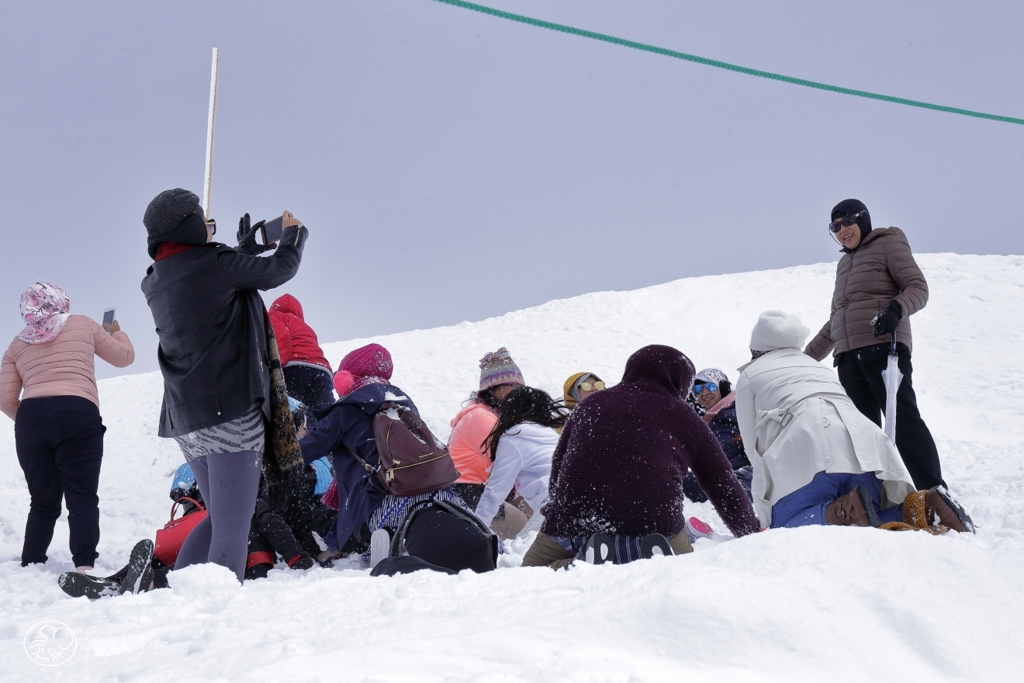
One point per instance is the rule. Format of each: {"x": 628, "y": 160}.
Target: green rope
{"x": 723, "y": 65}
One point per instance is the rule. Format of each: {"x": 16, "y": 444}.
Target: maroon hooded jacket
{"x": 296, "y": 341}
{"x": 620, "y": 462}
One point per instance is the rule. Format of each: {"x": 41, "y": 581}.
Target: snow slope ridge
{"x": 786, "y": 605}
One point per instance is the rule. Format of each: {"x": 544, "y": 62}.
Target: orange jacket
{"x": 469, "y": 429}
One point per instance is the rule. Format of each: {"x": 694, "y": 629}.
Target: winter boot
{"x": 943, "y": 510}
{"x": 695, "y": 529}
{"x": 257, "y": 571}
{"x": 380, "y": 546}
{"x": 302, "y": 561}
{"x": 597, "y": 549}
{"x": 853, "y": 509}
{"x": 655, "y": 544}
{"x": 79, "y": 585}
{"x": 139, "y": 564}
{"x": 915, "y": 516}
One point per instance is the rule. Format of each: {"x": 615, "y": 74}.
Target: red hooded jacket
{"x": 296, "y": 340}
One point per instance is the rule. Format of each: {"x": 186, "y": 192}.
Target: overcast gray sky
{"x": 453, "y": 166}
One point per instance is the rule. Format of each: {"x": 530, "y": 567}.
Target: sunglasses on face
{"x": 212, "y": 224}
{"x": 849, "y": 219}
{"x": 699, "y": 388}
{"x": 592, "y": 386}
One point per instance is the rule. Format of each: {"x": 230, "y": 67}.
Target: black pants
{"x": 860, "y": 372}
{"x": 440, "y": 538}
{"x": 60, "y": 447}
{"x": 314, "y": 386}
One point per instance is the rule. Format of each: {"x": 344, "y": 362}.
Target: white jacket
{"x": 523, "y": 460}
{"x": 796, "y": 420}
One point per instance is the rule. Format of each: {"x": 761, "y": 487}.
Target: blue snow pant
{"x": 228, "y": 482}
{"x": 59, "y": 440}
{"x": 806, "y": 506}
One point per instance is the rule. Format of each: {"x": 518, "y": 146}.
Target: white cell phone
{"x": 108, "y": 316}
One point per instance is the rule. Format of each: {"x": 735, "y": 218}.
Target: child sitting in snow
{"x": 428, "y": 531}
{"x": 713, "y": 392}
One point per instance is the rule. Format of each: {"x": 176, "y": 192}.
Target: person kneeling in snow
{"x": 617, "y": 472}
{"x": 816, "y": 458}
{"x": 432, "y": 530}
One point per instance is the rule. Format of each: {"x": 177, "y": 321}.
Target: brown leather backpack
{"x": 412, "y": 460}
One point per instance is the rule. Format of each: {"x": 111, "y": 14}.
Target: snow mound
{"x": 786, "y": 605}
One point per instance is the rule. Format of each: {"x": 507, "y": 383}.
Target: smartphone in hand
{"x": 272, "y": 229}
{"x": 108, "y": 316}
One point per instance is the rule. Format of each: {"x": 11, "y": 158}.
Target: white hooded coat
{"x": 796, "y": 420}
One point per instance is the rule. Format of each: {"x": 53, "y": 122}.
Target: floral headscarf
{"x": 45, "y": 308}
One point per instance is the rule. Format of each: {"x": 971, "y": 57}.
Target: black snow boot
{"x": 139, "y": 572}
{"x": 79, "y": 585}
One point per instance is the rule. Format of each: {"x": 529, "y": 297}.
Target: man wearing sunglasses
{"x": 878, "y": 287}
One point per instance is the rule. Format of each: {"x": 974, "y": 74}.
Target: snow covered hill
{"x": 787, "y": 605}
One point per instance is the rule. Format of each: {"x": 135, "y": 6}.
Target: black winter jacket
{"x": 213, "y": 340}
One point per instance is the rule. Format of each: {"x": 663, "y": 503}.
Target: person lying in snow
{"x": 816, "y": 459}
{"x": 617, "y": 472}
{"x": 521, "y": 445}
{"x": 268, "y": 532}
{"x": 436, "y": 530}
{"x": 713, "y": 391}
{"x": 499, "y": 375}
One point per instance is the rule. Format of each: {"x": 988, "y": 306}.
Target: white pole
{"x": 211, "y": 123}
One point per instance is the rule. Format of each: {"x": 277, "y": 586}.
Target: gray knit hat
{"x": 175, "y": 216}
{"x": 778, "y": 330}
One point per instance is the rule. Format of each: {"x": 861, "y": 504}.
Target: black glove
{"x": 888, "y": 320}
{"x": 247, "y": 238}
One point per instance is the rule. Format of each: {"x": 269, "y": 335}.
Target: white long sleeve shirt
{"x": 523, "y": 460}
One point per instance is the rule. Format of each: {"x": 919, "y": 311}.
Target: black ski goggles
{"x": 848, "y": 219}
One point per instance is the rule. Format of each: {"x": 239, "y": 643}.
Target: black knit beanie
{"x": 849, "y": 207}
{"x": 174, "y": 216}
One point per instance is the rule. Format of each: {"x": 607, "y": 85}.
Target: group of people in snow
{"x": 282, "y": 456}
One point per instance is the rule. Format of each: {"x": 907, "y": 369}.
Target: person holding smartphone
{"x": 48, "y": 387}
{"x": 214, "y": 359}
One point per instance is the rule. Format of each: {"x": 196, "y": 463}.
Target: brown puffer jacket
{"x": 880, "y": 269}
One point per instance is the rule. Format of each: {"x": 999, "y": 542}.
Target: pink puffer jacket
{"x": 62, "y": 367}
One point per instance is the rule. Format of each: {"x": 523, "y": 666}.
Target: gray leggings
{"x": 228, "y": 482}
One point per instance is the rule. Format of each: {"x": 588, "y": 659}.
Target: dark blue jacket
{"x": 727, "y": 430}
{"x": 348, "y": 424}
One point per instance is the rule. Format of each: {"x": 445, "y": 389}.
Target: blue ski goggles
{"x": 699, "y": 388}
